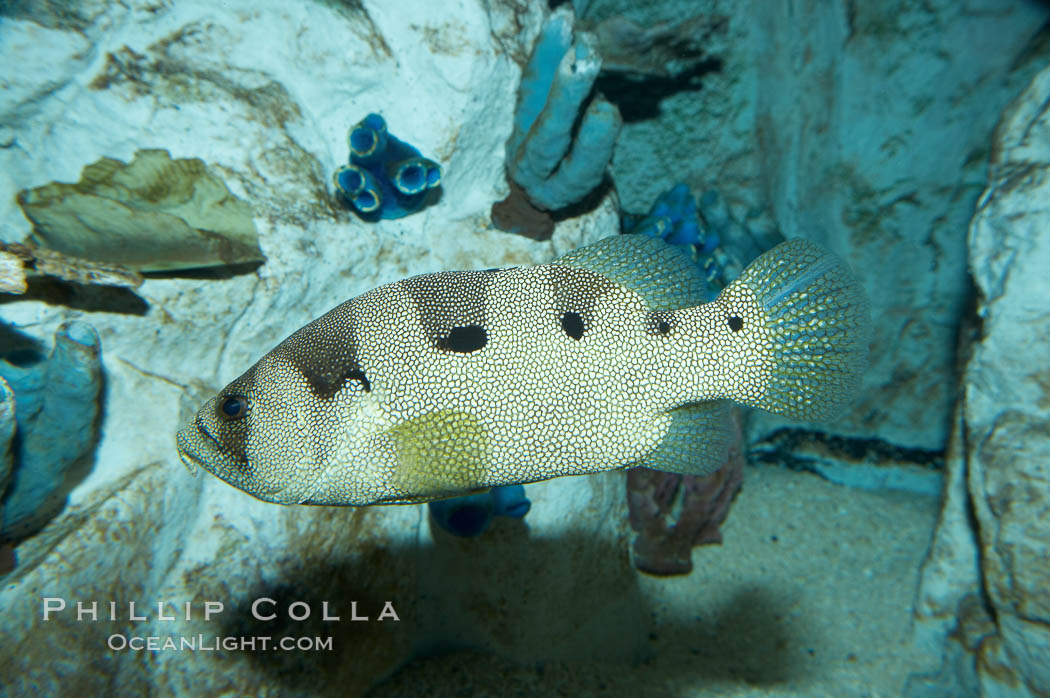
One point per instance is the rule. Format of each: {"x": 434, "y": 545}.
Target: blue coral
{"x": 386, "y": 177}
{"x": 471, "y": 515}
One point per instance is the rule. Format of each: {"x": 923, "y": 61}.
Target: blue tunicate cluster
{"x": 721, "y": 244}
{"x": 386, "y": 177}
{"x": 471, "y": 516}
{"x": 674, "y": 217}
{"x": 741, "y": 240}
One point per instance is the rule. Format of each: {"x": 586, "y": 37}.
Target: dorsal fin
{"x": 663, "y": 274}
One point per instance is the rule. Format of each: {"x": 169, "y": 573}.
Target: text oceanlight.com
{"x": 200, "y": 643}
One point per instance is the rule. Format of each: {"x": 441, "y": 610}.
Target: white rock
{"x": 951, "y": 569}
{"x": 1008, "y": 390}
{"x": 1002, "y": 445}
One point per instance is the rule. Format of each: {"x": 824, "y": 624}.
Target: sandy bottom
{"x": 810, "y": 595}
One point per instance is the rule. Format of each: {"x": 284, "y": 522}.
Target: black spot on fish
{"x": 361, "y": 378}
{"x": 735, "y": 323}
{"x": 449, "y": 300}
{"x": 325, "y": 351}
{"x": 572, "y": 323}
{"x": 659, "y": 323}
{"x": 465, "y": 339}
{"x": 576, "y": 293}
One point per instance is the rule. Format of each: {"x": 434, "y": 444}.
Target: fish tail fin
{"x": 818, "y": 320}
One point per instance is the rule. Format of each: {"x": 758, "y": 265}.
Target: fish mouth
{"x": 190, "y": 461}
{"x": 190, "y": 458}
{"x": 197, "y": 448}
{"x": 193, "y": 442}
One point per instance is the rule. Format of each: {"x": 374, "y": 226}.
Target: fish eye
{"x": 233, "y": 407}
{"x": 735, "y": 323}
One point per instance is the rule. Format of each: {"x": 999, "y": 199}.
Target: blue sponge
{"x": 386, "y": 177}
{"x": 563, "y": 138}
{"x": 58, "y": 405}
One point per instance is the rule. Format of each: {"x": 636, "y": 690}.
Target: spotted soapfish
{"x": 608, "y": 357}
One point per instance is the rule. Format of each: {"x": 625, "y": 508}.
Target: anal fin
{"x": 697, "y": 441}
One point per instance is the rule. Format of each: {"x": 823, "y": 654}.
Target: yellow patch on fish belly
{"x": 442, "y": 452}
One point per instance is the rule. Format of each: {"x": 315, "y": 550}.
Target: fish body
{"x": 449, "y": 383}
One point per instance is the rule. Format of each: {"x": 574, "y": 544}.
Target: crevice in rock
{"x": 796, "y": 449}
{"x": 864, "y": 463}
{"x": 638, "y": 97}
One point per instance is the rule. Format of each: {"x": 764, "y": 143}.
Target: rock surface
{"x": 998, "y": 466}
{"x": 1007, "y": 399}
